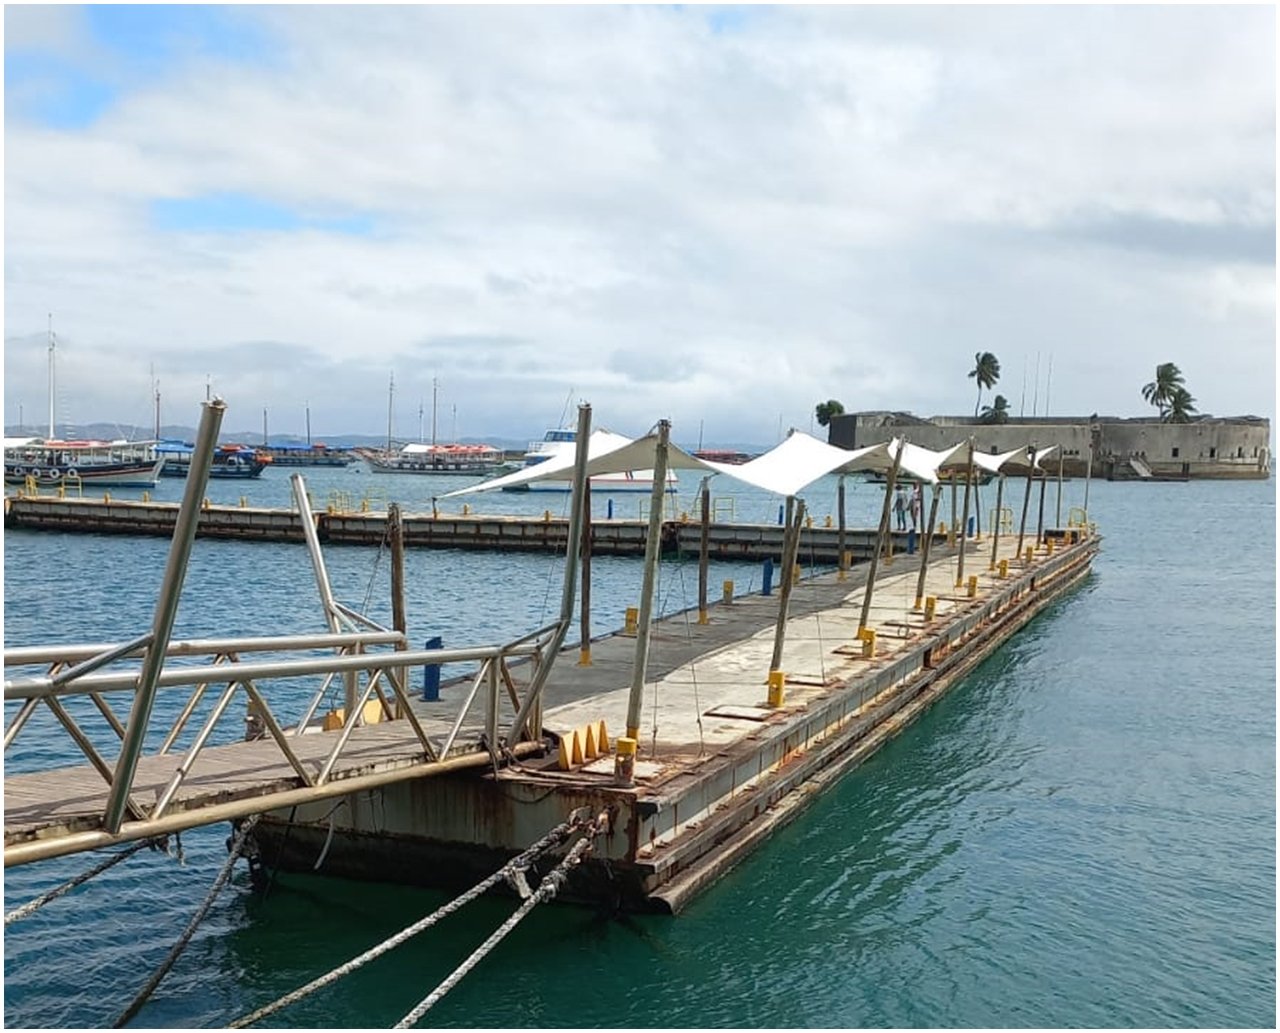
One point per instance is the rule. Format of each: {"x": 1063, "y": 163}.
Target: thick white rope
{"x": 553, "y": 838}
{"x": 546, "y": 890}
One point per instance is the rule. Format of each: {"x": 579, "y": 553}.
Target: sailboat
{"x": 52, "y": 461}
{"x": 420, "y": 458}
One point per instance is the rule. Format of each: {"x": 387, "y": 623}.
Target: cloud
{"x": 718, "y": 215}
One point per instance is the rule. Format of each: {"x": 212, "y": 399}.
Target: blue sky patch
{"x": 52, "y": 92}
{"x": 231, "y": 213}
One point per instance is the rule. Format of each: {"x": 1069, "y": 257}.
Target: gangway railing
{"x": 79, "y": 672}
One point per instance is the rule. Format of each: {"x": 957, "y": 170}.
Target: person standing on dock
{"x": 900, "y": 507}
{"x": 917, "y": 504}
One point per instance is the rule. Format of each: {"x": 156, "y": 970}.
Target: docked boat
{"x": 108, "y": 464}
{"x": 318, "y": 454}
{"x": 559, "y": 441}
{"x": 230, "y": 462}
{"x": 480, "y": 460}
{"x": 728, "y": 456}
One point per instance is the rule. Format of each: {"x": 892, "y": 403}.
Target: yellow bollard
{"x": 808, "y": 521}
{"x": 846, "y": 561}
{"x": 702, "y": 616}
{"x": 624, "y": 761}
{"x": 62, "y": 490}
{"x": 827, "y": 523}
{"x": 777, "y": 688}
{"x": 1004, "y": 568}
{"x": 973, "y": 586}
{"x": 1031, "y": 552}
{"x": 631, "y": 624}
{"x": 244, "y": 502}
{"x": 868, "y": 636}
{"x": 466, "y": 509}
{"x": 930, "y": 607}
{"x": 919, "y": 603}
{"x": 796, "y": 574}
{"x": 584, "y": 656}
{"x": 146, "y": 496}
{"x": 106, "y": 497}
{"x": 364, "y": 505}
{"x": 1048, "y": 546}
{"x": 546, "y": 516}
{"x": 728, "y": 593}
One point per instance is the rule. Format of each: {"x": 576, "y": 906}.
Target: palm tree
{"x": 997, "y": 411}
{"x": 986, "y": 371}
{"x": 1181, "y": 406}
{"x": 1160, "y": 391}
{"x": 825, "y": 410}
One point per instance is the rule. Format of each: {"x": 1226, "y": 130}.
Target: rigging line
{"x": 32, "y": 906}
{"x": 553, "y": 838}
{"x": 377, "y": 561}
{"x": 693, "y": 665}
{"x": 547, "y": 889}
{"x": 237, "y": 844}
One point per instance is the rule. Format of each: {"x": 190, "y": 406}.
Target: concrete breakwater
{"x": 544, "y": 533}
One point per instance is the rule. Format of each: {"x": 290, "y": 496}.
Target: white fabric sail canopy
{"x": 799, "y": 461}
{"x": 606, "y": 453}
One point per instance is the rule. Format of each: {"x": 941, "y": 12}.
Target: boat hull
{"x": 105, "y": 475}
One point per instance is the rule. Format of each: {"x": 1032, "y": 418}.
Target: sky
{"x": 721, "y": 216}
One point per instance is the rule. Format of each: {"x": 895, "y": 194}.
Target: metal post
{"x": 570, "y": 572}
{"x": 952, "y": 529}
{"x": 928, "y": 544}
{"x": 1059, "y": 523}
{"x": 840, "y": 538}
{"x": 395, "y": 531}
{"x": 704, "y": 550}
{"x": 184, "y": 534}
{"x": 791, "y": 548}
{"x": 995, "y": 524}
{"x": 884, "y": 530}
{"x": 1044, "y": 480}
{"x": 964, "y": 520}
{"x": 584, "y": 612}
{"x": 1026, "y": 498}
{"x": 651, "y": 546}
{"x": 1088, "y": 475}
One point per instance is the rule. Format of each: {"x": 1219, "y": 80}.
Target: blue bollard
{"x": 431, "y": 673}
{"x": 780, "y": 508}
{"x": 767, "y": 577}
{"x": 911, "y": 542}
{"x": 971, "y": 526}
{"x": 610, "y": 510}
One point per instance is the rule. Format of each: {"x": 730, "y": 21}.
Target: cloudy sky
{"x": 718, "y": 215}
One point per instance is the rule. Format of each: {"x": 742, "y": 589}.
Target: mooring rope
{"x": 31, "y": 907}
{"x": 553, "y": 838}
{"x": 237, "y": 844}
{"x": 546, "y": 890}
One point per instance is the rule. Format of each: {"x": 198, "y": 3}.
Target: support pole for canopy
{"x": 840, "y": 538}
{"x": 880, "y": 536}
{"x": 951, "y": 537}
{"x": 651, "y": 547}
{"x": 964, "y": 520}
{"x": 570, "y": 574}
{"x": 584, "y": 614}
{"x": 1026, "y": 497}
{"x": 928, "y": 543}
{"x": 1059, "y": 521}
{"x": 704, "y": 550}
{"x": 790, "y": 549}
{"x": 175, "y": 573}
{"x": 995, "y": 524}
{"x": 1044, "y": 481}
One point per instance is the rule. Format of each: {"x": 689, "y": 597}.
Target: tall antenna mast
{"x": 1022, "y": 406}
{"x": 1047, "y": 382}
{"x": 155, "y": 389}
{"x": 1035, "y": 394}
{"x": 52, "y": 382}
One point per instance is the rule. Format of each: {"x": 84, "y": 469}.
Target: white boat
{"x": 110, "y": 464}
{"x": 560, "y": 441}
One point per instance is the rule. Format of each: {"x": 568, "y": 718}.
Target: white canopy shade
{"x": 606, "y": 453}
{"x": 798, "y": 461}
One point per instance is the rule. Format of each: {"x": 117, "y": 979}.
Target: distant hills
{"x": 114, "y": 431}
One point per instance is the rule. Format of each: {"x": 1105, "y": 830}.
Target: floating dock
{"x": 719, "y": 767}
{"x": 544, "y": 533}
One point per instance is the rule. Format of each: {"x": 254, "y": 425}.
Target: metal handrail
{"x": 20, "y": 656}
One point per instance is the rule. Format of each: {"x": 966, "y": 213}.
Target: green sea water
{"x": 1082, "y": 833}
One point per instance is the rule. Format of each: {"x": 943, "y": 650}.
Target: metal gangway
{"x": 198, "y": 769}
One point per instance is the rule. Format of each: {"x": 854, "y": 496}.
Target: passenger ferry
{"x": 230, "y": 462}
{"x": 109, "y": 464}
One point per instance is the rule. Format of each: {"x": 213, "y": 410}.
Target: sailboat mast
{"x": 264, "y": 428}
{"x": 156, "y": 384}
{"x": 391, "y": 393}
{"x": 435, "y": 389}
{"x": 308, "y": 425}
{"x": 52, "y": 390}
{"x": 419, "y": 421}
